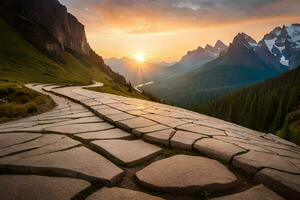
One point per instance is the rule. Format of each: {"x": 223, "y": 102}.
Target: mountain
{"x": 43, "y": 42}
{"x": 141, "y": 73}
{"x": 235, "y": 68}
{"x": 278, "y": 99}
{"x": 198, "y": 57}
{"x": 281, "y": 47}
{"x": 138, "y": 73}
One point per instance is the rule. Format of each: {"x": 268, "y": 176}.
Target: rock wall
{"x": 63, "y": 26}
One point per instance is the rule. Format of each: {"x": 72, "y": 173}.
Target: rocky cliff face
{"x": 48, "y": 26}
{"x": 65, "y": 30}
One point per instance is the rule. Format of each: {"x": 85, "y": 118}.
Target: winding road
{"x": 101, "y": 146}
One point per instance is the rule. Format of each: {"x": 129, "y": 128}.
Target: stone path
{"x": 102, "y": 146}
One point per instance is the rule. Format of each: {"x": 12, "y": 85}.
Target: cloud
{"x": 150, "y": 16}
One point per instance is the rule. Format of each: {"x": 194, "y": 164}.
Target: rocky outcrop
{"x": 48, "y": 26}
{"x": 53, "y": 20}
{"x": 65, "y": 28}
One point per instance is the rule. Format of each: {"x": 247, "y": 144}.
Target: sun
{"x": 139, "y": 57}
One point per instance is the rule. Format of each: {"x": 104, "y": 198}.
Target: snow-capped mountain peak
{"x": 282, "y": 43}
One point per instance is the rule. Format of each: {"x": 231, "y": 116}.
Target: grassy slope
{"x": 263, "y": 107}
{"x": 291, "y": 128}
{"x": 18, "y": 101}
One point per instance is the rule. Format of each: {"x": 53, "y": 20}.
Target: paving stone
{"x": 285, "y": 152}
{"x": 106, "y": 134}
{"x": 71, "y": 116}
{"x": 217, "y": 149}
{"x": 60, "y": 145}
{"x": 168, "y": 121}
{"x": 93, "y": 119}
{"x": 159, "y": 137}
{"x": 125, "y": 107}
{"x": 106, "y": 100}
{"x": 259, "y": 192}
{"x": 99, "y": 107}
{"x": 285, "y": 184}
{"x": 108, "y": 111}
{"x": 246, "y": 144}
{"x": 185, "y": 140}
{"x": 137, "y": 112}
{"x": 118, "y": 117}
{"x": 45, "y": 140}
{"x": 74, "y": 121}
{"x": 116, "y": 193}
{"x": 80, "y": 128}
{"x": 201, "y": 129}
{"x": 92, "y": 103}
{"x": 141, "y": 131}
{"x": 76, "y": 163}
{"x": 277, "y": 139}
{"x": 137, "y": 122}
{"x": 252, "y": 161}
{"x": 9, "y": 139}
{"x": 6, "y": 128}
{"x": 186, "y": 174}
{"x": 127, "y": 152}
{"x": 32, "y": 187}
{"x": 52, "y": 121}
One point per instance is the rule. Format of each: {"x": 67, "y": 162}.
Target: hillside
{"x": 36, "y": 46}
{"x": 263, "y": 107}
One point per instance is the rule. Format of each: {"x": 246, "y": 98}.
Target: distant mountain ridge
{"x": 238, "y": 66}
{"x": 198, "y": 57}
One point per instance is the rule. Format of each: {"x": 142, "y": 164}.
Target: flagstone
{"x": 127, "y": 152}
{"x": 31, "y": 187}
{"x": 188, "y": 174}
{"x": 116, "y": 193}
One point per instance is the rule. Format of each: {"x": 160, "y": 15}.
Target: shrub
{"x": 32, "y": 108}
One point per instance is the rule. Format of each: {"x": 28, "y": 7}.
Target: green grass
{"x": 291, "y": 128}
{"x": 17, "y": 101}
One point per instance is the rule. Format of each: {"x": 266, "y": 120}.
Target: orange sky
{"x": 164, "y": 30}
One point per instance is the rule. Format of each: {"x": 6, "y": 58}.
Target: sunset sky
{"x": 164, "y": 30}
